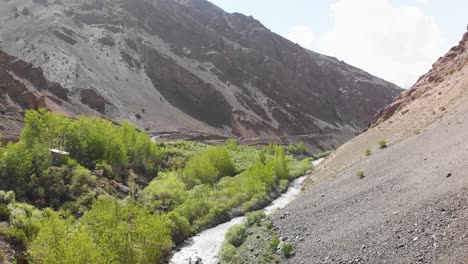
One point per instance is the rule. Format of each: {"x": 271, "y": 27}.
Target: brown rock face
{"x": 92, "y": 99}
{"x": 22, "y": 88}
{"x": 192, "y": 66}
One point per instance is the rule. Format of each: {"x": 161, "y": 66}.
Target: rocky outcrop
{"x": 92, "y": 99}
{"x": 451, "y": 62}
{"x": 193, "y": 66}
{"x": 24, "y": 87}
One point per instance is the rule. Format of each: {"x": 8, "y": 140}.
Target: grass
{"x": 323, "y": 154}
{"x": 368, "y": 152}
{"x": 287, "y": 250}
{"x": 236, "y": 235}
{"x": 275, "y": 243}
{"x": 382, "y": 144}
{"x": 360, "y": 174}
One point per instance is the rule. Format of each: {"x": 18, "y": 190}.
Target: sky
{"x": 397, "y": 40}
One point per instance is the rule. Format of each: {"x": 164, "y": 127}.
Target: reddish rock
{"x": 29, "y": 100}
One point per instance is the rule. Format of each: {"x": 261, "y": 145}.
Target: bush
{"x": 179, "y": 226}
{"x": 323, "y": 154}
{"x": 360, "y": 174}
{"x": 208, "y": 167}
{"x": 368, "y": 152}
{"x": 4, "y": 213}
{"x": 15, "y": 236}
{"x": 9, "y": 198}
{"x": 382, "y": 144}
{"x": 167, "y": 191}
{"x": 236, "y": 235}
{"x": 287, "y": 250}
{"x": 275, "y": 243}
{"x": 297, "y": 150}
{"x": 255, "y": 218}
{"x": 230, "y": 255}
{"x": 232, "y": 144}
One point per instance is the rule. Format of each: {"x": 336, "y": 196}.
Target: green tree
{"x": 63, "y": 241}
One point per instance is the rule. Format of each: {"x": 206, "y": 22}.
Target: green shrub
{"x": 4, "y": 213}
{"x": 230, "y": 255}
{"x": 299, "y": 168}
{"x": 360, "y": 174}
{"x": 297, "y": 150}
{"x": 255, "y": 218}
{"x": 382, "y": 144}
{"x": 323, "y": 154}
{"x": 179, "y": 226}
{"x": 7, "y": 197}
{"x": 236, "y": 235}
{"x": 81, "y": 181}
{"x": 287, "y": 250}
{"x": 106, "y": 169}
{"x": 232, "y": 144}
{"x": 25, "y": 221}
{"x": 368, "y": 152}
{"x": 167, "y": 191}
{"x": 262, "y": 156}
{"x": 208, "y": 167}
{"x": 275, "y": 243}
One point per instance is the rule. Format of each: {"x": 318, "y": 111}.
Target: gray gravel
{"x": 412, "y": 206}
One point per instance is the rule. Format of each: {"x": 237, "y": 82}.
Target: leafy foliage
{"x": 97, "y": 205}
{"x": 287, "y": 250}
{"x": 255, "y": 218}
{"x": 236, "y": 235}
{"x": 229, "y": 254}
{"x": 4, "y": 213}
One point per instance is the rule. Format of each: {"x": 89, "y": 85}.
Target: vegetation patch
{"x": 261, "y": 245}
{"x": 86, "y": 190}
{"x": 287, "y": 250}
{"x": 360, "y": 174}
{"x": 368, "y": 152}
{"x": 382, "y": 144}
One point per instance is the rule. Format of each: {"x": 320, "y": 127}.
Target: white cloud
{"x": 397, "y": 43}
{"x": 302, "y": 35}
{"x": 424, "y": 2}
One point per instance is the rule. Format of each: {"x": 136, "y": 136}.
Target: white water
{"x": 207, "y": 244}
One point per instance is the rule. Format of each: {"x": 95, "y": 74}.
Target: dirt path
{"x": 411, "y": 207}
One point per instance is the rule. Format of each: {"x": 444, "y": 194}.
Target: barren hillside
{"x": 168, "y": 65}
{"x": 410, "y": 205}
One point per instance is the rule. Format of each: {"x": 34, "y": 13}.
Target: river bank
{"x": 207, "y": 244}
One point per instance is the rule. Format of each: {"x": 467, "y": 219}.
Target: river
{"x": 207, "y": 244}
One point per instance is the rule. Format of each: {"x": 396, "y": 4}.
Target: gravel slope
{"x": 412, "y": 205}
{"x": 406, "y": 209}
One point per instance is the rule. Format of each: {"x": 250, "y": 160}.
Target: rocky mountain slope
{"x": 186, "y": 64}
{"x": 410, "y": 205}
{"x": 23, "y": 87}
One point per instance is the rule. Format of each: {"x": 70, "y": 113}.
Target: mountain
{"x": 23, "y": 87}
{"x": 175, "y": 65}
{"x": 408, "y": 204}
